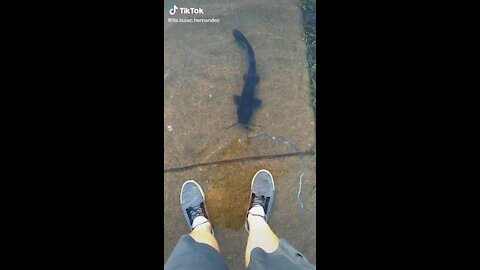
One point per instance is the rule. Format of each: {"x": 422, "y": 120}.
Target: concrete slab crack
{"x": 185, "y": 168}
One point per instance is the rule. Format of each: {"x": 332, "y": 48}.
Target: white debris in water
{"x": 169, "y": 128}
{"x": 210, "y": 95}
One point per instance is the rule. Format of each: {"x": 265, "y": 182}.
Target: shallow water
{"x": 204, "y": 68}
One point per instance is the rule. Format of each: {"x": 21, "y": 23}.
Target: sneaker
{"x": 262, "y": 194}
{"x": 192, "y": 201}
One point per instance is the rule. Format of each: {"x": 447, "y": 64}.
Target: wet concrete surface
{"x": 204, "y": 68}
{"x": 227, "y": 190}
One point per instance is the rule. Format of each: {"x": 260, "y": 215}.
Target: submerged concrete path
{"x": 204, "y": 68}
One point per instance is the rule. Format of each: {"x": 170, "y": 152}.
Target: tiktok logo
{"x": 173, "y": 11}
{"x": 184, "y": 10}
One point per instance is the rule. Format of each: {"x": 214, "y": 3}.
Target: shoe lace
{"x": 194, "y": 212}
{"x": 259, "y": 200}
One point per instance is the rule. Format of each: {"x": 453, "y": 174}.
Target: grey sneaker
{"x": 192, "y": 201}
{"x": 263, "y": 192}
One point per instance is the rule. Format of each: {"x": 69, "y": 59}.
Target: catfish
{"x": 247, "y": 102}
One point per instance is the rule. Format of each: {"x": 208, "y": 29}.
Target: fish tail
{"x": 243, "y": 40}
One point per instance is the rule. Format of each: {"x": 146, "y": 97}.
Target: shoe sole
{"x": 251, "y": 186}
{"x": 204, "y": 201}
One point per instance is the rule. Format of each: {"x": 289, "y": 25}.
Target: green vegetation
{"x": 309, "y": 22}
{"x": 309, "y": 8}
